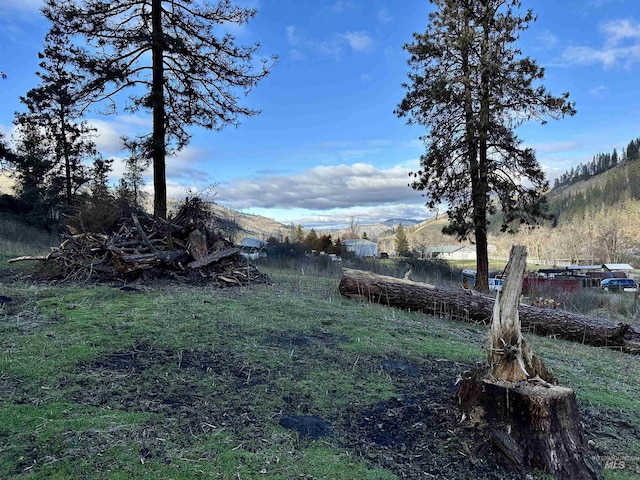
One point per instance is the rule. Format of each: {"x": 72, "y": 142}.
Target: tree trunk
{"x": 509, "y": 356}
{"x": 532, "y": 423}
{"x": 157, "y": 101}
{"x": 469, "y": 306}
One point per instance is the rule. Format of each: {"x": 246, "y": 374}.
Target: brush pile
{"x": 141, "y": 246}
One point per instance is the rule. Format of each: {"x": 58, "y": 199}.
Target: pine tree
{"x": 135, "y": 166}
{"x": 33, "y": 162}
{"x": 311, "y": 240}
{"x": 55, "y": 107}
{"x": 470, "y": 88}
{"x": 173, "y": 58}
{"x": 401, "y": 242}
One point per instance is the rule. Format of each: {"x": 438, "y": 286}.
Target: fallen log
{"x": 26, "y": 258}
{"x": 213, "y": 257}
{"x": 471, "y": 306}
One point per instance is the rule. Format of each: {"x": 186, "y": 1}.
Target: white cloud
{"x": 384, "y": 16}
{"x": 359, "y": 41}
{"x": 341, "y": 6}
{"x": 292, "y": 37}
{"x": 107, "y": 136}
{"x": 621, "y": 45}
{"x": 617, "y": 31}
{"x": 555, "y": 147}
{"x": 547, "y": 39}
{"x": 183, "y": 167}
{"x": 599, "y": 91}
{"x": 324, "y": 188}
{"x": 333, "y": 47}
{"x": 109, "y": 132}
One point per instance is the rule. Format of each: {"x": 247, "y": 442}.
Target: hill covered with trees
{"x": 595, "y": 213}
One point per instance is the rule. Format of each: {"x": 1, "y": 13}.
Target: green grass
{"x": 18, "y": 239}
{"x": 189, "y": 382}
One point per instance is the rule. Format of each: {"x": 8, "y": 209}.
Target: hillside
{"x": 596, "y": 220}
{"x": 6, "y": 185}
{"x": 563, "y": 192}
{"x": 251, "y": 225}
{"x": 426, "y": 233}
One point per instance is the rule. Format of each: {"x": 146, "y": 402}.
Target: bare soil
{"x": 414, "y": 435}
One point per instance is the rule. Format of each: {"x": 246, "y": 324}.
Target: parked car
{"x": 496, "y": 284}
{"x": 619, "y": 284}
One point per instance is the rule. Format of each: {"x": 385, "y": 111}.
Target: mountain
{"x": 249, "y": 225}
{"x": 406, "y": 222}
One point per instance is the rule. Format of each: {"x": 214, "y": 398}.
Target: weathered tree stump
{"x": 533, "y": 422}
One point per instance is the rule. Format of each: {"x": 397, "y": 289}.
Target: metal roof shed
{"x": 362, "y": 248}
{"x": 617, "y": 266}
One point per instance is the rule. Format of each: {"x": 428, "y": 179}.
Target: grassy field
{"x": 17, "y": 239}
{"x": 183, "y": 382}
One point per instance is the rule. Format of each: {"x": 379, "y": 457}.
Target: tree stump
{"x": 532, "y": 421}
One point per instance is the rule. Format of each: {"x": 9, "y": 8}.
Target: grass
{"x": 17, "y": 239}
{"x": 189, "y": 382}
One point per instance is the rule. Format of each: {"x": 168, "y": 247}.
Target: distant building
{"x": 252, "y": 248}
{"x": 452, "y": 252}
{"x": 617, "y": 267}
{"x": 361, "y": 248}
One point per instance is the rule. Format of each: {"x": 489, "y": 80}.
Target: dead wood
{"x": 530, "y": 424}
{"x": 25, "y": 258}
{"x": 509, "y": 356}
{"x": 150, "y": 247}
{"x": 533, "y": 423}
{"x": 471, "y": 306}
{"x": 198, "y": 245}
{"x": 214, "y": 257}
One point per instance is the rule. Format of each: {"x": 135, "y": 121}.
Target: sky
{"x": 327, "y": 149}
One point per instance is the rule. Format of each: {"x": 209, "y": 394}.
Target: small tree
{"x": 32, "y": 163}
{"x": 135, "y": 165}
{"x": 298, "y": 237}
{"x": 311, "y": 240}
{"x": 55, "y": 107}
{"x": 353, "y": 230}
{"x": 401, "y": 242}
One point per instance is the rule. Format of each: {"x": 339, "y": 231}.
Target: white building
{"x": 452, "y": 252}
{"x": 361, "y": 248}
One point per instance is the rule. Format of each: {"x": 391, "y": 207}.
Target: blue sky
{"x": 327, "y": 148}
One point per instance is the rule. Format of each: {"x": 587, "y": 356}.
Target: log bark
{"x": 214, "y": 257}
{"x": 530, "y": 424}
{"x": 508, "y": 354}
{"x": 470, "y": 306}
{"x": 198, "y": 245}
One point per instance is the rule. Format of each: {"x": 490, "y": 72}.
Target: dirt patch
{"x": 303, "y": 339}
{"x": 415, "y": 435}
{"x": 188, "y": 391}
{"x": 307, "y": 426}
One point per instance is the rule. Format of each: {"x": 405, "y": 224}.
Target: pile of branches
{"x": 142, "y": 246}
